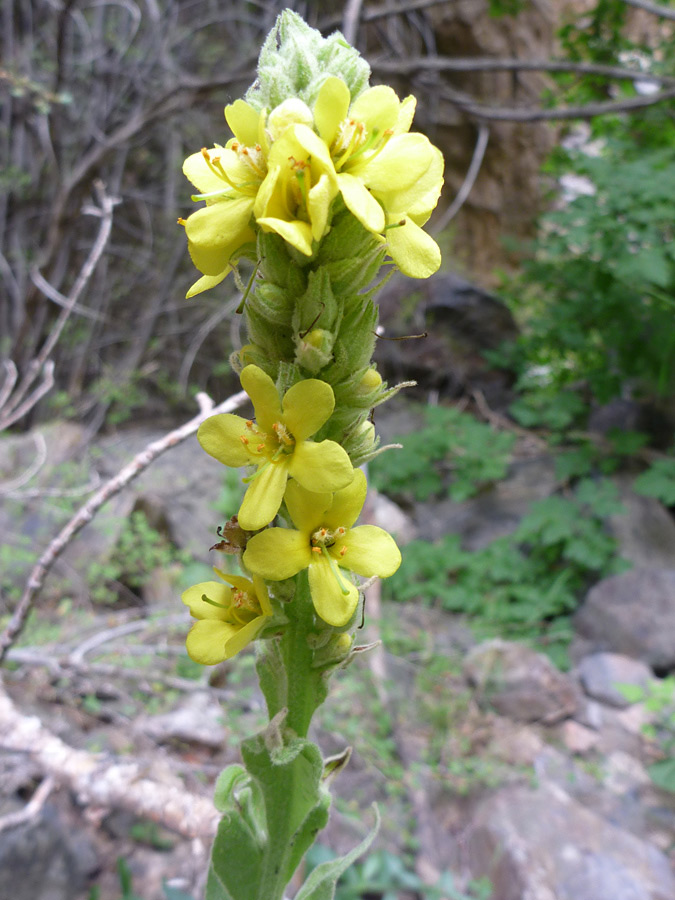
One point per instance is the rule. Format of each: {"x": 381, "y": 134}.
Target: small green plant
{"x": 385, "y": 876}
{"x": 140, "y": 550}
{"x": 659, "y": 700}
{"x": 524, "y": 585}
{"x": 453, "y": 452}
{"x": 658, "y": 481}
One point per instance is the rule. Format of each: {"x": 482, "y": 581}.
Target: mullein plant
{"x": 321, "y": 184}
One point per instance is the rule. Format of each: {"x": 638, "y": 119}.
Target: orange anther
{"x": 243, "y": 439}
{"x": 260, "y": 447}
{"x": 343, "y": 550}
{"x": 235, "y": 146}
{"x": 205, "y": 153}
{"x": 341, "y": 530}
{"x": 316, "y": 549}
{"x": 249, "y": 423}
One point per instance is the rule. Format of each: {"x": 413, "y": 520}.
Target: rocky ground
{"x": 483, "y": 756}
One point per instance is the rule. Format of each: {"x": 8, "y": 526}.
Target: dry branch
{"x": 104, "y": 782}
{"x": 87, "y": 512}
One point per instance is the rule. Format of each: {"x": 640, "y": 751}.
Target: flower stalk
{"x": 321, "y": 183}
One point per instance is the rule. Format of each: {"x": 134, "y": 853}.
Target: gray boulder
{"x": 542, "y": 845}
{"x": 601, "y": 673}
{"x": 520, "y": 683}
{"x": 633, "y": 613}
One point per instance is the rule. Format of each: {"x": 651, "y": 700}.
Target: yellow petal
{"x": 277, "y": 553}
{"x": 243, "y": 122}
{"x": 377, "y": 107}
{"x": 403, "y": 161}
{"x": 206, "y": 282}
{"x": 319, "y": 202}
{"x": 214, "y": 590}
{"x": 370, "y": 551}
{"x": 216, "y": 232}
{"x": 262, "y": 595}
{"x": 237, "y": 581}
{"x": 360, "y": 202}
{"x": 196, "y": 169}
{"x": 264, "y": 396}
{"x": 307, "y": 405}
{"x": 321, "y": 467}
{"x": 332, "y": 106}
{"x": 347, "y": 503}
{"x": 264, "y": 495}
{"x": 243, "y": 636}
{"x": 413, "y": 250}
{"x": 221, "y": 435}
{"x": 297, "y": 234}
{"x": 207, "y": 641}
{"x": 335, "y": 607}
{"x": 306, "y": 508}
{"x": 420, "y": 198}
{"x": 406, "y": 111}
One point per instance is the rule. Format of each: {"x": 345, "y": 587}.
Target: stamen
{"x": 316, "y": 550}
{"x": 181, "y": 221}
{"x": 334, "y": 569}
{"x": 395, "y": 225}
{"x": 243, "y": 439}
{"x": 343, "y": 550}
{"x": 213, "y": 602}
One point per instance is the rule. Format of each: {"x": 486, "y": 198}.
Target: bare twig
{"x": 350, "y": 20}
{"x": 507, "y": 64}
{"x": 529, "y": 114}
{"x": 87, "y": 512}
{"x": 32, "y": 809}
{"x": 7, "y": 487}
{"x": 469, "y": 180}
{"x": 60, "y": 665}
{"x": 17, "y": 405}
{"x": 105, "y": 782}
{"x": 663, "y": 12}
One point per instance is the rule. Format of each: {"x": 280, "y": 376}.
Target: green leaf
{"x": 663, "y": 774}
{"x": 320, "y": 884}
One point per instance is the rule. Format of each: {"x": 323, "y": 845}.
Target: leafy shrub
{"x": 384, "y": 876}
{"x": 524, "y": 585}
{"x": 453, "y": 452}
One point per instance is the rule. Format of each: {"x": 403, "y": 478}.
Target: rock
{"x": 43, "y": 860}
{"x": 645, "y": 531}
{"x": 197, "y": 721}
{"x": 542, "y": 845}
{"x": 519, "y": 683}
{"x": 601, "y": 673}
{"x": 496, "y": 511}
{"x": 459, "y": 321}
{"x": 577, "y": 738}
{"x": 388, "y": 515}
{"x": 633, "y": 613}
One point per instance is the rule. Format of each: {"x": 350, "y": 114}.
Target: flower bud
{"x": 291, "y": 112}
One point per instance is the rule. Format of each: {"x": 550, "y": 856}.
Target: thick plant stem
{"x": 305, "y": 685}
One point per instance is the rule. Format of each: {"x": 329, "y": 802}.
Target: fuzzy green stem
{"x": 305, "y": 685}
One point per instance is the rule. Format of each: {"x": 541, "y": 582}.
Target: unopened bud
{"x": 291, "y": 112}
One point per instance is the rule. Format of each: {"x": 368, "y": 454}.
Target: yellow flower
{"x": 389, "y": 179}
{"x": 327, "y": 544}
{"x": 294, "y": 199}
{"x": 278, "y": 444}
{"x": 228, "y": 618}
{"x": 228, "y": 179}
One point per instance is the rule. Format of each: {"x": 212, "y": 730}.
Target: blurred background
{"x": 534, "y": 492}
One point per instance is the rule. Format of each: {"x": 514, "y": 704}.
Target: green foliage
{"x": 453, "y": 452}
{"x": 658, "y": 481}
{"x": 140, "y": 550}
{"x": 659, "y": 700}
{"x": 596, "y": 295}
{"x": 506, "y": 7}
{"x": 385, "y": 876}
{"x": 524, "y": 585}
